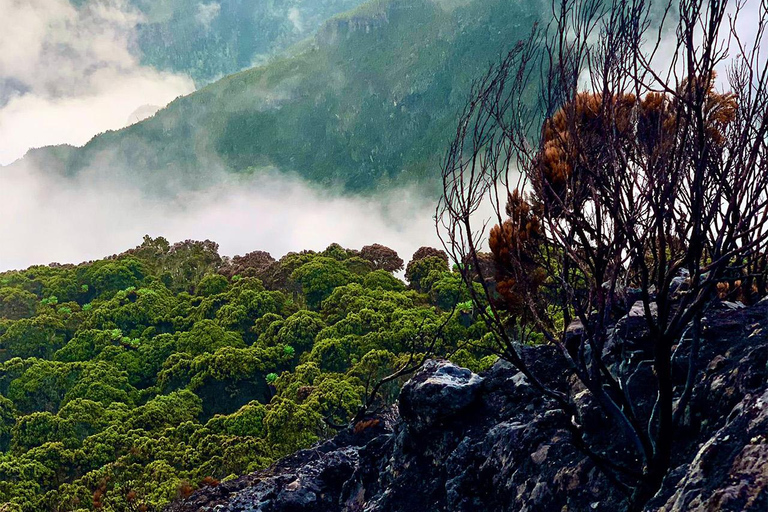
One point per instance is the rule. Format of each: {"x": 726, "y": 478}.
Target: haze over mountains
{"x": 370, "y": 100}
{"x": 70, "y": 69}
{"x": 208, "y": 39}
{"x": 365, "y": 105}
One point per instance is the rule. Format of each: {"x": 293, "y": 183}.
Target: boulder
{"x": 632, "y": 328}
{"x": 438, "y": 392}
{"x": 730, "y": 471}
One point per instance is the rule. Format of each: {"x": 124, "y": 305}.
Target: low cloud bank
{"x": 68, "y": 73}
{"x": 50, "y": 219}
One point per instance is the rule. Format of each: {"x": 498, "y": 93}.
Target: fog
{"x": 67, "y": 74}
{"x": 48, "y": 219}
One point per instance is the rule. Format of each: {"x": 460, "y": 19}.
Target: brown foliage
{"x": 366, "y": 424}
{"x": 426, "y": 252}
{"x": 208, "y": 481}
{"x": 249, "y": 265}
{"x": 579, "y": 141}
{"x": 382, "y": 257}
{"x": 514, "y": 245}
{"x": 184, "y": 491}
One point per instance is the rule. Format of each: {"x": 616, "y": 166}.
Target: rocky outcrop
{"x": 439, "y": 392}
{"x": 730, "y": 471}
{"x": 343, "y": 27}
{"x": 465, "y": 442}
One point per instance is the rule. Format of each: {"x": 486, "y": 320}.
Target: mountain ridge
{"x": 395, "y": 75}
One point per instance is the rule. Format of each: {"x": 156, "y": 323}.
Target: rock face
{"x": 740, "y": 481}
{"x": 464, "y": 442}
{"x": 440, "y": 391}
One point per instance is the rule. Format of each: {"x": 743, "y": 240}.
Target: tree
{"x": 319, "y": 277}
{"x": 37, "y": 429}
{"x": 299, "y": 330}
{"x": 422, "y": 273}
{"x": 336, "y": 354}
{"x": 87, "y": 344}
{"x": 211, "y": 285}
{"x": 167, "y": 410}
{"x": 207, "y": 336}
{"x": 384, "y": 280}
{"x": 107, "y": 277}
{"x": 43, "y": 385}
{"x": 7, "y": 421}
{"x": 620, "y": 169}
{"x": 84, "y": 417}
{"x": 246, "y": 421}
{"x": 382, "y": 257}
{"x": 426, "y": 252}
{"x": 101, "y": 382}
{"x": 40, "y": 336}
{"x": 251, "y": 264}
{"x": 418, "y": 268}
{"x": 290, "y": 427}
{"x": 16, "y": 303}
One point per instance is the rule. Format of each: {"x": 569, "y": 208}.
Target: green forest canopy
{"x": 133, "y": 380}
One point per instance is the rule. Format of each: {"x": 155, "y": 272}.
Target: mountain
{"x": 213, "y": 38}
{"x": 370, "y": 101}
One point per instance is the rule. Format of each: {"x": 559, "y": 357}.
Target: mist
{"x": 69, "y": 220}
{"x": 68, "y": 73}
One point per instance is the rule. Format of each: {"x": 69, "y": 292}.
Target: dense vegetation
{"x": 130, "y": 381}
{"x": 369, "y": 102}
{"x": 210, "y": 39}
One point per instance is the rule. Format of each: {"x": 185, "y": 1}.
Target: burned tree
{"x": 622, "y": 149}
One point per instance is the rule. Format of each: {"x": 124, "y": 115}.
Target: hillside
{"x": 462, "y": 442}
{"x": 370, "y": 101}
{"x": 134, "y": 380}
{"x": 208, "y": 40}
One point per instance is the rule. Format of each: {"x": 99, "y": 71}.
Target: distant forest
{"x": 366, "y": 104}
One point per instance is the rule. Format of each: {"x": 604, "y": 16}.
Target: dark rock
{"x": 730, "y": 472}
{"x": 632, "y": 328}
{"x": 463, "y": 442}
{"x": 440, "y": 390}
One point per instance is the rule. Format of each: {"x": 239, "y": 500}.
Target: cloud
{"x": 206, "y": 13}
{"x": 294, "y": 16}
{"x": 68, "y": 73}
{"x": 49, "y": 219}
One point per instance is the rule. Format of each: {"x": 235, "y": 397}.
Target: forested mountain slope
{"x": 370, "y": 101}
{"x": 213, "y": 38}
{"x": 133, "y": 380}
